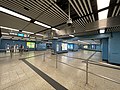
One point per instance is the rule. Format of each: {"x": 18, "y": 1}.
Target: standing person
{"x": 11, "y": 50}
{"x": 20, "y": 49}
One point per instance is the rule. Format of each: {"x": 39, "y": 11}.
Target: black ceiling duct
{"x": 20, "y": 30}
{"x": 0, "y": 33}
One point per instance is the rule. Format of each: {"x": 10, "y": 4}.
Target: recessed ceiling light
{"x": 55, "y": 29}
{"x": 12, "y": 33}
{"x": 14, "y": 14}
{"x": 55, "y": 37}
{"x": 41, "y": 24}
{"x": 9, "y": 28}
{"x": 102, "y": 31}
{"x": 5, "y": 33}
{"x": 39, "y": 34}
{"x": 27, "y": 32}
{"x": 71, "y": 35}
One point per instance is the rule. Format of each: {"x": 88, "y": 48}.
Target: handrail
{"x": 101, "y": 64}
{"x": 79, "y": 58}
{"x": 82, "y": 59}
{"x": 88, "y": 61}
{"x": 101, "y": 76}
{"x": 91, "y": 62}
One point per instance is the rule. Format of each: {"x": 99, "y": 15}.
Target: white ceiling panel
{"x": 12, "y": 22}
{"x": 34, "y": 28}
{"x": 19, "y": 5}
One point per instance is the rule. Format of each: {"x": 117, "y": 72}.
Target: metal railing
{"x": 88, "y": 61}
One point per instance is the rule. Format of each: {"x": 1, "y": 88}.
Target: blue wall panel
{"x": 57, "y": 46}
{"x": 104, "y": 46}
{"x": 75, "y": 47}
{"x": 41, "y": 46}
{"x": 98, "y": 47}
{"x": 4, "y": 42}
{"x": 114, "y": 48}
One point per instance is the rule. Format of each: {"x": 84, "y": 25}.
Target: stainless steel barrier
{"x": 87, "y": 67}
{"x": 102, "y": 64}
{"x": 44, "y": 57}
{"x": 56, "y": 60}
{"x": 87, "y": 61}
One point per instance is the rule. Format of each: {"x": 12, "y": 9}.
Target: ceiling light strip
{"x": 83, "y": 21}
{"x": 77, "y": 21}
{"x": 71, "y": 35}
{"x": 27, "y": 32}
{"x": 62, "y": 12}
{"x": 90, "y": 10}
{"x": 41, "y": 24}
{"x": 90, "y": 6}
{"x": 113, "y": 14}
{"x": 80, "y": 22}
{"x": 88, "y": 17}
{"x": 86, "y": 6}
{"x": 21, "y": 5}
{"x": 53, "y": 9}
{"x": 5, "y": 33}
{"x": 78, "y": 8}
{"x": 82, "y": 6}
{"x": 39, "y": 34}
{"x": 61, "y": 15}
{"x": 58, "y": 14}
{"x": 52, "y": 12}
{"x": 34, "y": 5}
{"x": 55, "y": 29}
{"x": 14, "y": 14}
{"x": 93, "y": 17}
{"x": 84, "y": 18}
{"x": 9, "y": 28}
{"x": 15, "y": 30}
{"x": 74, "y": 7}
{"x": 118, "y": 11}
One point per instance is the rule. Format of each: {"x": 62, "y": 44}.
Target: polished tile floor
{"x": 17, "y": 75}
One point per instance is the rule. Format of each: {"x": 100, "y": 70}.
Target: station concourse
{"x": 59, "y": 44}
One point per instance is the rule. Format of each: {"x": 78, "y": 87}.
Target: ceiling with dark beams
{"x": 55, "y": 14}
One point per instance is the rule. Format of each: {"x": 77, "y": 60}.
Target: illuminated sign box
{"x": 20, "y": 35}
{"x": 31, "y": 44}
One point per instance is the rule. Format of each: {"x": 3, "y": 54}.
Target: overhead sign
{"x": 20, "y": 34}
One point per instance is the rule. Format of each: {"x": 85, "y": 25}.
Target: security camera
{"x": 69, "y": 22}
